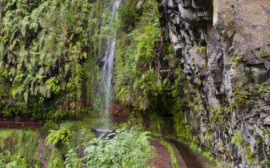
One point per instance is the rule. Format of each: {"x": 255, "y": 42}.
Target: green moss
{"x": 205, "y": 153}
{"x": 203, "y": 50}
{"x": 238, "y": 139}
{"x": 250, "y": 156}
{"x": 240, "y": 94}
{"x": 264, "y": 55}
{"x": 236, "y": 59}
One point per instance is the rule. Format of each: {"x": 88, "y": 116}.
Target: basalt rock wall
{"x": 224, "y": 47}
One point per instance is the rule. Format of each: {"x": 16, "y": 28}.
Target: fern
{"x": 42, "y": 44}
{"x": 128, "y": 148}
{"x": 59, "y": 138}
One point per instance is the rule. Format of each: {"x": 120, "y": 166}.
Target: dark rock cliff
{"x": 224, "y": 47}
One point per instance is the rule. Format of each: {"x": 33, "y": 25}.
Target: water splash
{"x": 107, "y": 65}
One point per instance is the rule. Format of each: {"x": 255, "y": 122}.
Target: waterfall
{"x": 107, "y": 64}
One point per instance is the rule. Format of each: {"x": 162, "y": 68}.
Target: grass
{"x": 24, "y": 143}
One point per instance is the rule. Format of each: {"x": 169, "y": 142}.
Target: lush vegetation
{"x": 127, "y": 148}
{"x": 49, "y": 51}
{"x": 149, "y": 78}
{"x": 63, "y": 148}
{"x": 43, "y": 45}
{"x": 19, "y": 148}
{"x": 144, "y": 63}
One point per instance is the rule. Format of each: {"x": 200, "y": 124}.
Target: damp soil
{"x": 162, "y": 157}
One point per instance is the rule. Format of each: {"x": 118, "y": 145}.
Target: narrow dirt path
{"x": 41, "y": 152}
{"x": 163, "y": 156}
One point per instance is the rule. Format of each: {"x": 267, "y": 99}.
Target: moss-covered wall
{"x": 43, "y": 49}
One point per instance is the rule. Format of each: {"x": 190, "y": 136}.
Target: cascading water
{"x": 107, "y": 65}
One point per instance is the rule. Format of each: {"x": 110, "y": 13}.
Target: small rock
{"x": 251, "y": 121}
{"x": 263, "y": 115}
{"x": 260, "y": 75}
{"x": 252, "y": 142}
{"x": 267, "y": 120}
{"x": 267, "y": 97}
{"x": 258, "y": 130}
{"x": 249, "y": 127}
{"x": 266, "y": 109}
{"x": 260, "y": 122}
{"x": 267, "y": 139}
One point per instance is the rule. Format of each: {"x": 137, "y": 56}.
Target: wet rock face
{"x": 224, "y": 46}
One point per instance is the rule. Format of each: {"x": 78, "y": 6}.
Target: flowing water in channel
{"x": 107, "y": 66}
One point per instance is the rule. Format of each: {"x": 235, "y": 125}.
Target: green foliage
{"x": 43, "y": 45}
{"x": 240, "y": 95}
{"x": 205, "y": 153}
{"x": 19, "y": 148}
{"x": 56, "y": 160}
{"x": 237, "y": 139}
{"x": 236, "y": 59}
{"x": 146, "y": 43}
{"x": 72, "y": 159}
{"x": 59, "y": 138}
{"x": 264, "y": 55}
{"x": 9, "y": 161}
{"x": 266, "y": 160}
{"x": 138, "y": 57}
{"x": 202, "y": 50}
{"x": 262, "y": 88}
{"x": 250, "y": 156}
{"x": 183, "y": 130}
{"x": 128, "y": 16}
{"x": 126, "y": 149}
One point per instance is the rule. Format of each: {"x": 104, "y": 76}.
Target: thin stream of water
{"x": 107, "y": 68}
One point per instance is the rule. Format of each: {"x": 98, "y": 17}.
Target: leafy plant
{"x": 43, "y": 45}
{"x": 72, "y": 159}
{"x": 59, "y": 138}
{"x": 141, "y": 79}
{"x": 12, "y": 161}
{"x": 126, "y": 149}
{"x": 128, "y": 16}
{"x": 17, "y": 162}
